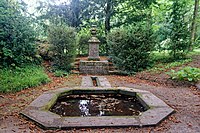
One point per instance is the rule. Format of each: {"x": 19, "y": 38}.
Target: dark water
{"x": 97, "y": 105}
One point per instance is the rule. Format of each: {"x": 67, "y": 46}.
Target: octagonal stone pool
{"x": 128, "y": 107}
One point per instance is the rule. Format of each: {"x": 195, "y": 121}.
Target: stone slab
{"x": 94, "y": 67}
{"x": 104, "y": 121}
{"x": 42, "y": 100}
{"x": 154, "y": 116}
{"x": 103, "y": 82}
{"x": 86, "y": 81}
{"x": 151, "y": 100}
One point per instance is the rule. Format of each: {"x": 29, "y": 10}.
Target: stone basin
{"x": 38, "y": 110}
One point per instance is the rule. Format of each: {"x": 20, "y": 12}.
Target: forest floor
{"x": 183, "y": 97}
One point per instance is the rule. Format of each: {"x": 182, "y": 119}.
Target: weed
{"x": 191, "y": 74}
{"x": 60, "y": 73}
{"x": 12, "y": 80}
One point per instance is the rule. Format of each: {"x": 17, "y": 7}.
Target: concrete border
{"x": 38, "y": 110}
{"x": 101, "y": 81}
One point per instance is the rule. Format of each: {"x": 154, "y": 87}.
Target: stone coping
{"x": 101, "y": 81}
{"x": 38, "y": 110}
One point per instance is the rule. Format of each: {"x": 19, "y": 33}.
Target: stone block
{"x": 94, "y": 67}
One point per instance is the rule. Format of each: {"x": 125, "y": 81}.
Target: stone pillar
{"x": 93, "y": 46}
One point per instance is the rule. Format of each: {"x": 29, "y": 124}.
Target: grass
{"x": 166, "y": 66}
{"x": 164, "y": 56}
{"x": 12, "y": 80}
{"x": 195, "y": 52}
{"x": 165, "y": 62}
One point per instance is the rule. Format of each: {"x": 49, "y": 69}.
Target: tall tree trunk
{"x": 75, "y": 7}
{"x": 193, "y": 27}
{"x": 108, "y": 11}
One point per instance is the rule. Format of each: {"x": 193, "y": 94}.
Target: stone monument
{"x": 94, "y": 46}
{"x": 93, "y": 64}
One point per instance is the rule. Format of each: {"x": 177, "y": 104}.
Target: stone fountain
{"x": 94, "y": 64}
{"x": 45, "y": 112}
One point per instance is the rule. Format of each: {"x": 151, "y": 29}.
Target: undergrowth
{"x": 12, "y": 80}
{"x": 166, "y": 66}
{"x": 61, "y": 73}
{"x": 190, "y": 74}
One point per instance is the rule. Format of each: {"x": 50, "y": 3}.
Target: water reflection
{"x": 97, "y": 105}
{"x": 84, "y": 107}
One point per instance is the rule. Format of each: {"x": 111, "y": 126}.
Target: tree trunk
{"x": 108, "y": 11}
{"x": 193, "y": 27}
{"x": 75, "y": 13}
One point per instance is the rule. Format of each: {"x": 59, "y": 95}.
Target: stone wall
{"x": 94, "y": 67}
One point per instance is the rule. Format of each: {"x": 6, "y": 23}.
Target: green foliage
{"x": 166, "y": 66}
{"x": 190, "y": 74}
{"x": 179, "y": 29}
{"x": 45, "y": 51}
{"x": 128, "y": 11}
{"x": 130, "y": 47}
{"x": 17, "y": 38}
{"x": 12, "y": 80}
{"x": 60, "y": 73}
{"x": 64, "y": 46}
{"x": 82, "y": 41}
{"x": 195, "y": 52}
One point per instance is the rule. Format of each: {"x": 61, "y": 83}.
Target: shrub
{"x": 130, "y": 47}
{"x": 191, "y": 74}
{"x": 12, "y": 80}
{"x": 45, "y": 51}
{"x": 17, "y": 37}
{"x": 82, "y": 41}
{"x": 64, "y": 47}
{"x": 60, "y": 73}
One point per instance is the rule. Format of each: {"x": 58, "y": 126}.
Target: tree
{"x": 130, "y": 47}
{"x": 193, "y": 27}
{"x": 179, "y": 29}
{"x": 17, "y": 36}
{"x": 71, "y": 14}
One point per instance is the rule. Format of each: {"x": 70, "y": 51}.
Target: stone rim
{"x": 38, "y": 110}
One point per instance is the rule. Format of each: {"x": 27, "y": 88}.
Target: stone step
{"x": 115, "y": 72}
{"x": 75, "y": 72}
{"x": 112, "y": 68}
{"x": 77, "y": 63}
{"x": 75, "y": 68}
{"x": 111, "y": 64}
{"x": 77, "y": 59}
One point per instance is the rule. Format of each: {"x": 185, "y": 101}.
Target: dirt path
{"x": 185, "y": 99}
